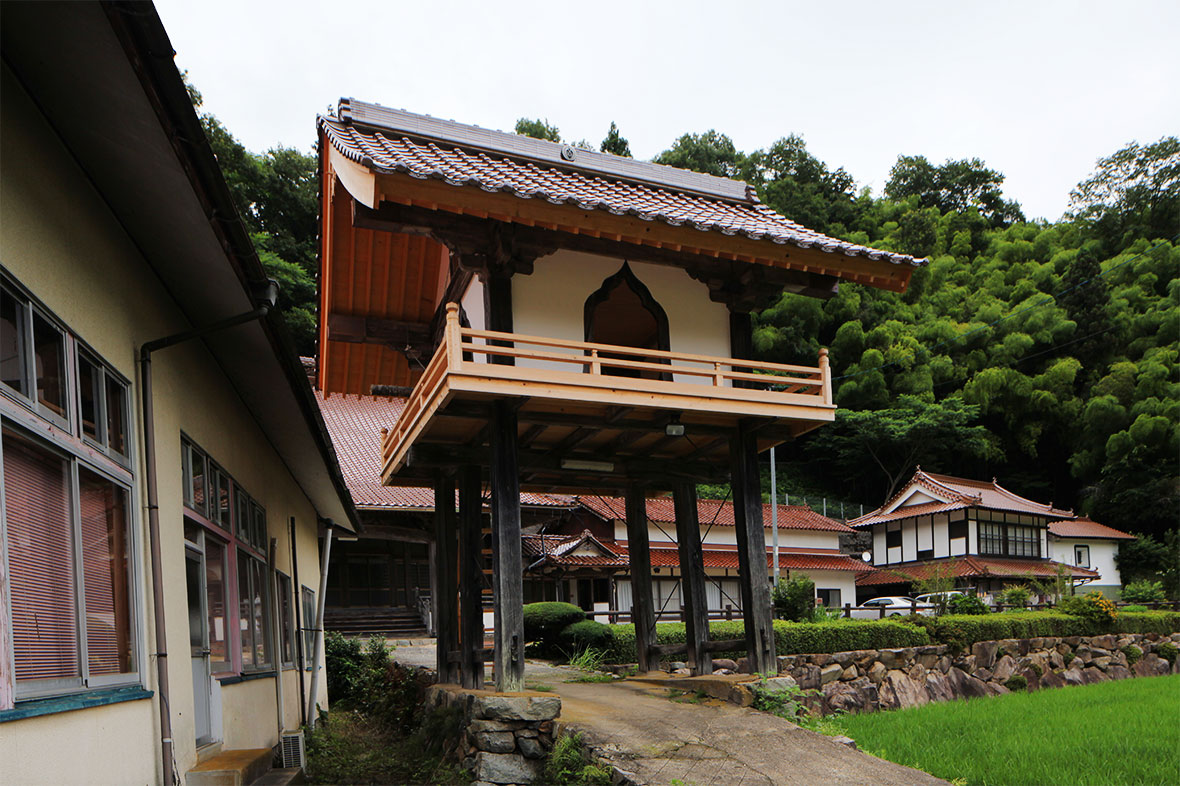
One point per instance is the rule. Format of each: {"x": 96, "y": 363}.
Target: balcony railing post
{"x": 825, "y": 375}
{"x": 718, "y": 377}
{"x": 595, "y": 365}
{"x": 452, "y": 337}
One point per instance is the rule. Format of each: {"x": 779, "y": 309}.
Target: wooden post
{"x": 639, "y": 558}
{"x": 751, "y": 538}
{"x": 447, "y": 605}
{"x": 692, "y": 577}
{"x": 506, "y": 559}
{"x": 470, "y": 578}
{"x": 497, "y": 298}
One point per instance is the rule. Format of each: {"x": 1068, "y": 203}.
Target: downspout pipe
{"x": 299, "y": 637}
{"x": 151, "y": 480}
{"x": 312, "y": 716}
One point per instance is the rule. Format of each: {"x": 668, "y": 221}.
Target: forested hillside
{"x": 1043, "y": 354}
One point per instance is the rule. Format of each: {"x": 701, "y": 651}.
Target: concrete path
{"x": 656, "y": 740}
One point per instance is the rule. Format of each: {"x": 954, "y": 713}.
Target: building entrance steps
{"x": 650, "y": 739}
{"x": 231, "y": 768}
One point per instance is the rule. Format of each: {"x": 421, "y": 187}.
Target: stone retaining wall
{"x": 503, "y": 737}
{"x": 869, "y": 680}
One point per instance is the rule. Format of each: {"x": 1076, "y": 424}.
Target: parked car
{"x": 931, "y": 601}
{"x": 895, "y": 606}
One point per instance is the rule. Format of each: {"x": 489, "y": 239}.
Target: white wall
{"x": 1102, "y": 554}
{"x": 93, "y": 279}
{"x": 551, "y": 303}
{"x": 727, "y": 536}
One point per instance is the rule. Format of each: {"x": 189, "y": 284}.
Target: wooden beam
{"x": 446, "y": 602}
{"x": 751, "y": 540}
{"x": 639, "y": 559}
{"x": 506, "y": 558}
{"x": 415, "y": 340}
{"x": 692, "y": 577}
{"x": 471, "y": 630}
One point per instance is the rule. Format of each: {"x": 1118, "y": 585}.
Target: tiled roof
{"x": 970, "y": 566}
{"x": 1086, "y": 528}
{"x": 959, "y": 493}
{"x": 647, "y": 194}
{"x": 718, "y": 512}
{"x": 728, "y": 558}
{"x": 354, "y": 422}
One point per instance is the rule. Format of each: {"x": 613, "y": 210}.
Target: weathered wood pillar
{"x": 639, "y": 557}
{"x": 692, "y": 577}
{"x": 751, "y": 539}
{"x": 470, "y": 578}
{"x": 497, "y": 297}
{"x": 447, "y": 603}
{"x": 506, "y": 560}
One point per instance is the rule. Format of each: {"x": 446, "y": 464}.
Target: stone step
{"x": 288, "y": 776}
{"x": 231, "y": 768}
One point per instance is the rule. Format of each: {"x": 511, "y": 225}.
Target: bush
{"x": 1133, "y": 654}
{"x": 962, "y": 631}
{"x": 568, "y": 764}
{"x": 791, "y": 638}
{"x": 1016, "y": 682}
{"x": 1016, "y": 595}
{"x": 583, "y": 636}
{"x": 543, "y": 621}
{"x": 967, "y": 604}
{"x": 1144, "y": 592}
{"x": 1168, "y": 652}
{"x": 343, "y": 661}
{"x": 1132, "y": 607}
{"x": 794, "y": 598}
{"x": 1098, "y": 611}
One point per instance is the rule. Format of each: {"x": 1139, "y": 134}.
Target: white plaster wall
{"x": 551, "y": 303}
{"x": 727, "y": 536}
{"x": 473, "y": 305}
{"x": 843, "y": 580}
{"x": 909, "y": 530}
{"x": 879, "y": 544}
{"x": 93, "y": 279}
{"x": 1102, "y": 554}
{"x": 941, "y": 548}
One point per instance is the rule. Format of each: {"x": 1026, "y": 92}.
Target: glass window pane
{"x": 197, "y": 472}
{"x": 106, "y": 576}
{"x": 196, "y": 632}
{"x": 243, "y": 513}
{"x": 259, "y": 526}
{"x": 41, "y": 563}
{"x": 219, "y": 509}
{"x": 215, "y": 588}
{"x": 116, "y": 416}
{"x": 12, "y": 342}
{"x": 308, "y": 619}
{"x": 89, "y": 396}
{"x": 261, "y": 612}
{"x": 245, "y": 611}
{"x": 49, "y": 364}
{"x": 286, "y": 621}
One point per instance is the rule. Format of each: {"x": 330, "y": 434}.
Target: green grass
{"x": 1125, "y": 732}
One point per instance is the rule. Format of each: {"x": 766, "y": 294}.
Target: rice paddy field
{"x": 1107, "y": 734}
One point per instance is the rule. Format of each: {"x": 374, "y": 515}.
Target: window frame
{"x": 285, "y": 621}
{"x": 1077, "y": 550}
{"x": 238, "y": 541}
{"x": 85, "y": 682}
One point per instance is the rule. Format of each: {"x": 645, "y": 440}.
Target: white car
{"x": 929, "y": 602}
{"x": 894, "y": 605}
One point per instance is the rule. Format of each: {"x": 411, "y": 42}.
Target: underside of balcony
{"x": 593, "y": 418}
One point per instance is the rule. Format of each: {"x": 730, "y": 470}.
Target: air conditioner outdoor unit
{"x": 292, "y": 747}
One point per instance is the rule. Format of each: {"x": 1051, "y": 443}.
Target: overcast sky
{"x": 1038, "y": 90}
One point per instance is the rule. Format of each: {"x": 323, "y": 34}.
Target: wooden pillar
{"x": 751, "y": 539}
{"x": 497, "y": 296}
{"x": 506, "y": 560}
{"x": 639, "y": 556}
{"x": 447, "y": 604}
{"x": 470, "y": 578}
{"x": 692, "y": 577}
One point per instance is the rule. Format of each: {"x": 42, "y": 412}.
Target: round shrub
{"x": 1133, "y": 654}
{"x": 1016, "y": 682}
{"x": 585, "y": 635}
{"x": 543, "y": 621}
{"x": 1094, "y": 608}
{"x": 794, "y": 598}
{"x": 1168, "y": 652}
{"x": 1143, "y": 592}
{"x": 966, "y": 604}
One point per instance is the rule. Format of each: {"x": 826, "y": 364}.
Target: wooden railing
{"x": 471, "y": 351}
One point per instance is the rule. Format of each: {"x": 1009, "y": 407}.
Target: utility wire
{"x": 1047, "y": 299}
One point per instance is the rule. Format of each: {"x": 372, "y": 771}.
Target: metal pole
{"x": 319, "y": 629}
{"x": 774, "y": 512}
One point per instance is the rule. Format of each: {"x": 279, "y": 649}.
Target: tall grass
{"x": 1108, "y": 734}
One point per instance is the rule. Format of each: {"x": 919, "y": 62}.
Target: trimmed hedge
{"x": 585, "y": 635}
{"x": 544, "y": 621}
{"x": 962, "y": 631}
{"x": 791, "y": 638}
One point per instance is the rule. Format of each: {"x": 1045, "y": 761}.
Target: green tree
{"x": 537, "y": 129}
{"x": 952, "y": 186}
{"x": 1134, "y": 193}
{"x": 801, "y": 187}
{"x": 710, "y": 152}
{"x": 880, "y": 448}
{"x": 615, "y": 143}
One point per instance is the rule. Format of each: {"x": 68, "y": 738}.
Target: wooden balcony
{"x": 583, "y": 406}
